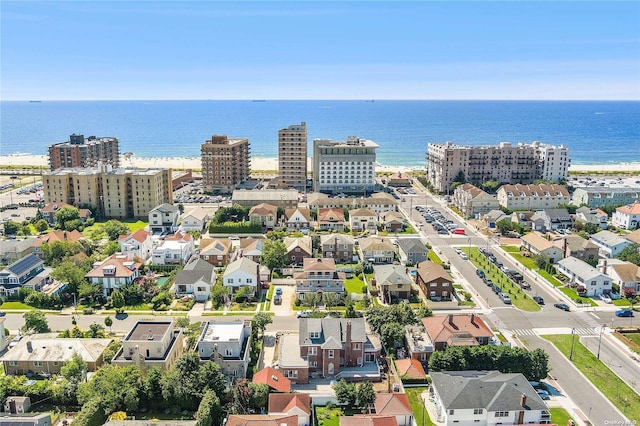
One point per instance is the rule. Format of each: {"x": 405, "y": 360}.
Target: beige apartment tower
{"x": 79, "y": 151}
{"x": 226, "y": 163}
{"x": 506, "y": 163}
{"x": 292, "y": 156}
{"x": 113, "y": 193}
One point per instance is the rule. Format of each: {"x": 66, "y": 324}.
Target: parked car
{"x": 605, "y": 298}
{"x": 480, "y": 273}
{"x": 3, "y": 314}
{"x": 505, "y": 298}
{"x": 279, "y": 291}
{"x": 303, "y": 314}
{"x": 15, "y": 341}
{"x": 562, "y": 306}
{"x": 624, "y": 313}
{"x": 464, "y": 256}
{"x": 539, "y": 300}
{"x": 543, "y": 394}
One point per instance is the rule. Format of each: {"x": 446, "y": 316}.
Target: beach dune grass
{"x": 615, "y": 389}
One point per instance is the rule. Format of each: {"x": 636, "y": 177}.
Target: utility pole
{"x": 573, "y": 335}
{"x": 600, "y": 339}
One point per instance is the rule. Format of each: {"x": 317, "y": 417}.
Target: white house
{"x": 164, "y": 219}
{"x": 486, "y": 398}
{"x": 589, "y": 279}
{"x": 539, "y": 245}
{"x": 114, "y": 272}
{"x": 593, "y": 216}
{"x": 609, "y": 243}
{"x": 174, "y": 250}
{"x": 363, "y": 220}
{"x": 227, "y": 344}
{"x": 195, "y": 219}
{"x": 532, "y": 197}
{"x": 196, "y": 279}
{"x": 627, "y": 217}
{"x": 240, "y": 273}
{"x": 623, "y": 273}
{"x": 473, "y": 201}
{"x": 139, "y": 243}
{"x": 298, "y": 219}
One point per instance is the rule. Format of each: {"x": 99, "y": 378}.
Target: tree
{"x": 117, "y": 299}
{"x": 114, "y": 228}
{"x": 89, "y": 292}
{"x": 92, "y": 413}
{"x": 260, "y": 322}
{"x": 331, "y": 299}
{"x": 365, "y": 395}
{"x": 117, "y": 388}
{"x": 36, "y": 322}
{"x": 68, "y": 218}
{"x": 96, "y": 331}
{"x": 392, "y": 335}
{"x": 151, "y": 386}
{"x": 110, "y": 248}
{"x": 70, "y": 273}
{"x": 311, "y": 300}
{"x": 274, "y": 254}
{"x": 211, "y": 377}
{"x": 74, "y": 369}
{"x": 505, "y": 226}
{"x": 460, "y": 178}
{"x": 209, "y": 411}
{"x": 108, "y": 322}
{"x": 11, "y": 227}
{"x": 630, "y": 253}
{"x": 541, "y": 260}
{"x": 424, "y": 312}
{"x": 41, "y": 225}
{"x": 345, "y": 392}
{"x": 240, "y": 397}
{"x": 490, "y": 186}
{"x": 259, "y": 396}
{"x": 57, "y": 251}
{"x": 242, "y": 294}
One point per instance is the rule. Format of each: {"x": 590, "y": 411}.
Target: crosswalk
{"x": 586, "y": 331}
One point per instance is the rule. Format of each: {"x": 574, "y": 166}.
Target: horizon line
{"x": 35, "y": 100}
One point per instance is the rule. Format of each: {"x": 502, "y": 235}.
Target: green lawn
{"x": 434, "y": 257}
{"x": 326, "y": 417}
{"x": 17, "y": 306}
{"x": 135, "y": 226}
{"x": 634, "y": 337}
{"x": 571, "y": 293}
{"x": 245, "y": 307}
{"x": 605, "y": 380}
{"x": 267, "y": 306}
{"x": 621, "y": 302}
{"x": 416, "y": 405}
{"x": 354, "y": 285}
{"x": 518, "y": 297}
{"x": 511, "y": 249}
{"x": 524, "y": 260}
{"x": 547, "y": 276}
{"x": 559, "y": 416}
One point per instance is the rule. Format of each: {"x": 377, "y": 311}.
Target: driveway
{"x": 288, "y": 296}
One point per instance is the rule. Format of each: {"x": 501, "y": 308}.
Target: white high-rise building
{"x": 348, "y": 166}
{"x": 505, "y": 163}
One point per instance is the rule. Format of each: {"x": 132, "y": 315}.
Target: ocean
{"x": 596, "y": 132}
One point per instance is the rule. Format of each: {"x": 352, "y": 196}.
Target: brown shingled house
{"x": 457, "y": 330}
{"x": 434, "y": 281}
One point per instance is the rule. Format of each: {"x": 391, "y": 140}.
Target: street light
{"x": 600, "y": 339}
{"x": 573, "y": 335}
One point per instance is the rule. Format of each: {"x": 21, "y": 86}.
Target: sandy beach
{"x": 271, "y": 164}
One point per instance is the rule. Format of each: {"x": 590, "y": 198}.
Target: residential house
{"x": 163, "y": 219}
{"x": 588, "y": 215}
{"x": 625, "y": 274}
{"x": 215, "y": 251}
{"x": 250, "y": 248}
{"x": 52, "y": 236}
{"x": 228, "y": 344}
{"x": 589, "y": 280}
{"x": 331, "y": 220}
{"x": 492, "y": 217}
{"x": 411, "y": 251}
{"x": 457, "y": 330}
{"x": 393, "y": 281}
{"x": 536, "y": 245}
{"x": 261, "y": 420}
{"x": 362, "y": 219}
{"x": 298, "y": 249}
{"x": 139, "y": 244}
{"x": 486, "y": 398}
{"x": 392, "y": 221}
{"x": 319, "y": 276}
{"x": 532, "y": 197}
{"x": 19, "y": 273}
{"x": 242, "y": 272}
{"x": 292, "y": 404}
{"x": 274, "y": 379}
{"x": 578, "y": 247}
{"x": 398, "y": 180}
{"x": 379, "y": 202}
{"x": 338, "y": 247}
{"x": 627, "y": 217}
{"x": 50, "y": 209}
{"x": 285, "y": 198}
{"x": 298, "y": 219}
{"x": 45, "y": 354}
{"x": 473, "y": 201}
{"x": 368, "y": 420}
{"x": 418, "y": 344}
{"x": 175, "y": 249}
{"x": 377, "y": 250}
{"x": 151, "y": 344}
{"x": 434, "y": 281}
{"x": 114, "y": 272}
{"x": 29, "y": 419}
{"x": 13, "y": 250}
{"x": 633, "y": 237}
{"x": 598, "y": 197}
{"x": 326, "y": 347}
{"x": 394, "y": 404}
{"x": 17, "y": 404}
{"x": 409, "y": 368}
{"x": 554, "y": 219}
{"x": 196, "y": 280}
{"x": 610, "y": 244}
{"x": 523, "y": 218}
{"x": 265, "y": 215}
{"x": 195, "y": 220}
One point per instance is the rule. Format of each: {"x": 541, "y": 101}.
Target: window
{"x": 502, "y": 413}
{"x": 228, "y": 352}
{"x": 230, "y": 280}
{"x": 478, "y": 411}
{"x": 451, "y": 412}
{"x": 331, "y": 353}
{"x": 291, "y": 374}
{"x": 313, "y": 350}
{"x": 314, "y": 335}
{"x": 313, "y": 364}
{"x": 13, "y": 363}
{"x": 37, "y": 363}
{"x": 356, "y": 346}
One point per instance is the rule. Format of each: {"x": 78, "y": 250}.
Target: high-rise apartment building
{"x": 81, "y": 152}
{"x": 225, "y": 163}
{"x": 116, "y": 193}
{"x": 505, "y": 163}
{"x": 348, "y": 166}
{"x": 292, "y": 156}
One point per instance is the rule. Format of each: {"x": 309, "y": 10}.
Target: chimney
{"x": 450, "y": 319}
{"x": 473, "y": 318}
{"x": 29, "y": 346}
{"x": 523, "y": 400}
{"x": 604, "y": 266}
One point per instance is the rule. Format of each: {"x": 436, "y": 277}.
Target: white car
{"x": 464, "y": 256}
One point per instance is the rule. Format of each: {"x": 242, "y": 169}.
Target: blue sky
{"x": 319, "y": 50}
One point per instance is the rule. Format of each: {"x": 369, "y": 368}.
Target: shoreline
{"x": 271, "y": 164}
